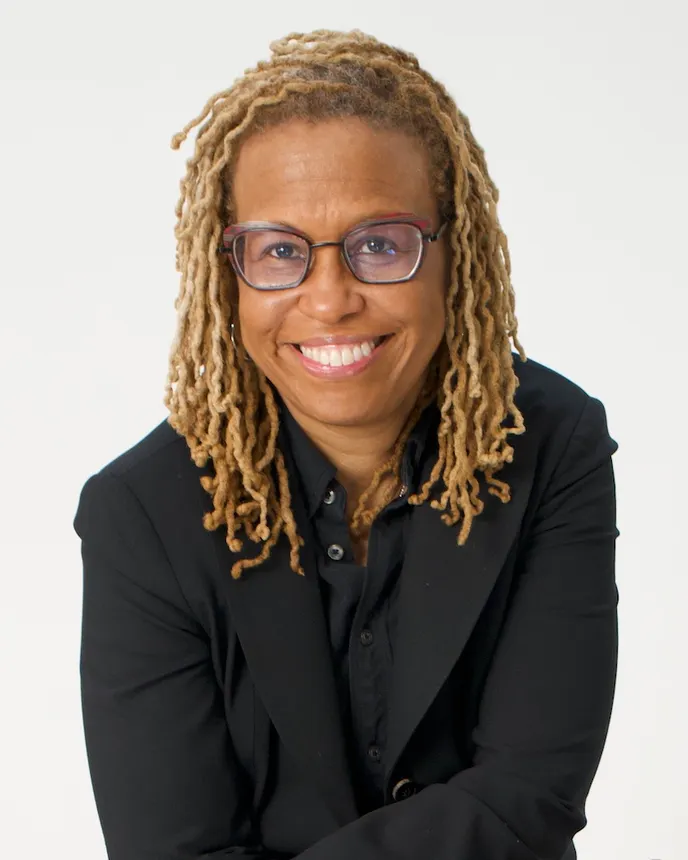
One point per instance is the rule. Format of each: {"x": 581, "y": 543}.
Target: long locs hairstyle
{"x": 216, "y": 396}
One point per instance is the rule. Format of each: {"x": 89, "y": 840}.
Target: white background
{"x": 581, "y": 108}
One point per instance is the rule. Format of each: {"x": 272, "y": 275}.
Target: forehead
{"x": 330, "y": 169}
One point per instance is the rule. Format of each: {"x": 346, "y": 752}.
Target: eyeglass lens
{"x": 273, "y": 259}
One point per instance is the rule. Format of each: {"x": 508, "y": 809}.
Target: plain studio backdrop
{"x": 581, "y": 109}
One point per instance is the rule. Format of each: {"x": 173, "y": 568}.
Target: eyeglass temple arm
{"x": 433, "y": 237}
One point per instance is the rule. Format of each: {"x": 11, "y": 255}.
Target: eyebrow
{"x": 378, "y": 216}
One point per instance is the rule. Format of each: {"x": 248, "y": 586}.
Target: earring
{"x": 234, "y": 343}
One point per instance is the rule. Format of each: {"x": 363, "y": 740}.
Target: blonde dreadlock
{"x": 222, "y": 403}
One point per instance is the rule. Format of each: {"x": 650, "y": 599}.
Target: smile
{"x": 342, "y": 359}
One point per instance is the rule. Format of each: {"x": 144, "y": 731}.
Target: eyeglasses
{"x": 386, "y": 250}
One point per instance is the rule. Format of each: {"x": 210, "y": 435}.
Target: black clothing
{"x": 360, "y": 601}
{"x": 211, "y": 713}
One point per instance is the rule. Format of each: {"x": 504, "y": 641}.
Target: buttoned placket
{"x": 360, "y": 605}
{"x": 365, "y": 658}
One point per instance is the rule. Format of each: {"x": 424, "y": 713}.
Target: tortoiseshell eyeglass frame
{"x": 233, "y": 232}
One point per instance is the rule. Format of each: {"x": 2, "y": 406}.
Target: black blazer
{"x": 209, "y": 704}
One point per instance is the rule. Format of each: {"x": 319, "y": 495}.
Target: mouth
{"x": 344, "y": 358}
{"x": 341, "y": 354}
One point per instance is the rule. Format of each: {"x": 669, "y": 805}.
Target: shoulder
{"x": 153, "y": 474}
{"x": 159, "y": 448}
{"x": 143, "y": 513}
{"x": 555, "y": 408}
{"x": 566, "y": 433}
{"x": 543, "y": 391}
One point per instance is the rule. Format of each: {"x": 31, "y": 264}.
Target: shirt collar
{"x": 316, "y": 472}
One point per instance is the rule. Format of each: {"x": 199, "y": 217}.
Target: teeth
{"x": 340, "y": 356}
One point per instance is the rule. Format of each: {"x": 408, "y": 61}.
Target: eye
{"x": 283, "y": 251}
{"x": 375, "y": 245}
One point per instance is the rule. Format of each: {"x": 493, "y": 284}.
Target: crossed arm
{"x": 167, "y": 785}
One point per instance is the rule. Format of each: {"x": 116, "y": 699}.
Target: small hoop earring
{"x": 234, "y": 343}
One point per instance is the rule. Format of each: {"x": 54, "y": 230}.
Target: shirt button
{"x": 329, "y": 497}
{"x": 404, "y": 789}
{"x": 366, "y": 637}
{"x": 375, "y": 752}
{"x": 335, "y": 552}
{"x": 403, "y": 491}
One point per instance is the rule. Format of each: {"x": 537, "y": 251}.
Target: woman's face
{"x": 323, "y": 180}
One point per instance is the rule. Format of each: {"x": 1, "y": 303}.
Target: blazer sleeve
{"x": 547, "y": 701}
{"x": 165, "y": 780}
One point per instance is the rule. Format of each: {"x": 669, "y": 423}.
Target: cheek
{"x": 259, "y": 315}
{"x": 438, "y": 292}
{"x": 430, "y": 312}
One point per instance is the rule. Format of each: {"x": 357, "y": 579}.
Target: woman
{"x": 355, "y": 598}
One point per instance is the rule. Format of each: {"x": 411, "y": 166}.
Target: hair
{"x": 218, "y": 398}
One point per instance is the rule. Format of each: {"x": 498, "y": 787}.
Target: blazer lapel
{"x": 443, "y": 590}
{"x": 279, "y": 619}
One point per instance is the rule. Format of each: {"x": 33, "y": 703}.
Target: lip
{"x": 325, "y": 371}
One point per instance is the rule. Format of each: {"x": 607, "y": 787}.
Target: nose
{"x": 330, "y": 292}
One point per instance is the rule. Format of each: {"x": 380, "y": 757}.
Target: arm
{"x": 166, "y": 784}
{"x": 547, "y": 701}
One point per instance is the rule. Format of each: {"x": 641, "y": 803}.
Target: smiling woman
{"x": 325, "y": 180}
{"x": 437, "y": 680}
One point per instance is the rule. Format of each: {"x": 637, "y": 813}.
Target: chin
{"x": 346, "y": 408}
{"x": 345, "y": 417}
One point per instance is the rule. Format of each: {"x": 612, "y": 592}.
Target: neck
{"x": 355, "y": 451}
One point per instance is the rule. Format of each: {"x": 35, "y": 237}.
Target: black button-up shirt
{"x": 360, "y": 601}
